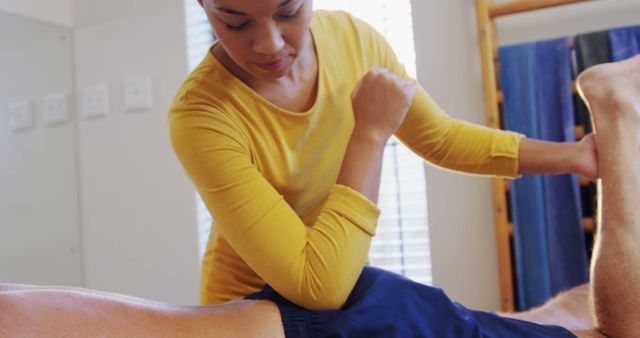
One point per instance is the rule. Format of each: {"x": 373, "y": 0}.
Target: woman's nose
{"x": 268, "y": 41}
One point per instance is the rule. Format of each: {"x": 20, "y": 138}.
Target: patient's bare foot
{"x": 612, "y": 88}
{"x": 612, "y": 92}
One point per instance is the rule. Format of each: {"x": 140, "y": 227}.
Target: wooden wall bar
{"x": 521, "y": 6}
{"x": 487, "y": 32}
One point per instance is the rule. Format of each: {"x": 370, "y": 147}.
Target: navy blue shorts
{"x": 386, "y": 305}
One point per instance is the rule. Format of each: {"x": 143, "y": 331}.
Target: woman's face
{"x": 263, "y": 37}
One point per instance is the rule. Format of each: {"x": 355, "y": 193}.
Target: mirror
{"x": 39, "y": 209}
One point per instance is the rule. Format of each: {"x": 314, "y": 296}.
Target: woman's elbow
{"x": 328, "y": 298}
{"x": 323, "y": 302}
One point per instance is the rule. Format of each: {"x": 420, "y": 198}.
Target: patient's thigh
{"x": 593, "y": 333}
{"x": 570, "y": 309}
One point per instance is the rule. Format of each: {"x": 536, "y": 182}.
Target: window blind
{"x": 402, "y": 240}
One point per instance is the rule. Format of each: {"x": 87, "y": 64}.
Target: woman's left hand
{"x": 587, "y": 158}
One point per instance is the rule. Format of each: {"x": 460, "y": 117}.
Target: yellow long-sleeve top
{"x": 268, "y": 175}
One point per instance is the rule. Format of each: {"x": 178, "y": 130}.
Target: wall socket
{"x": 56, "y": 109}
{"x": 21, "y": 115}
{"x": 95, "y": 100}
{"x": 137, "y": 94}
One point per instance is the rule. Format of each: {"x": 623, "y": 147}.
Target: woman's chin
{"x": 272, "y": 72}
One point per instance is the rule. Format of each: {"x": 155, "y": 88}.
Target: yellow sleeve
{"x": 315, "y": 267}
{"x": 447, "y": 142}
{"x": 456, "y": 144}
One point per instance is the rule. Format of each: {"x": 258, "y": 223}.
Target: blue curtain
{"x": 625, "y": 42}
{"x": 549, "y": 244}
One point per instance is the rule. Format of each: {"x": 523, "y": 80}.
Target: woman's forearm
{"x": 362, "y": 164}
{"x": 542, "y": 157}
{"x": 380, "y": 103}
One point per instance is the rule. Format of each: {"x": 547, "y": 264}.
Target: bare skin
{"x": 569, "y": 309}
{"x": 542, "y": 157}
{"x": 612, "y": 93}
{"x": 380, "y": 103}
{"x": 36, "y": 311}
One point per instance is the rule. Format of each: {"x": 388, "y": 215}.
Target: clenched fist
{"x": 380, "y": 103}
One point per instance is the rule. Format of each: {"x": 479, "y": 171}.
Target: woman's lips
{"x": 273, "y": 66}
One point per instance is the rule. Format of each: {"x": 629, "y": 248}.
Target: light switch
{"x": 55, "y": 108}
{"x": 95, "y": 101}
{"x": 21, "y": 115}
{"x": 137, "y": 94}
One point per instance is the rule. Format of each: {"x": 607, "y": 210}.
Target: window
{"x": 402, "y": 241}
{"x": 199, "y": 33}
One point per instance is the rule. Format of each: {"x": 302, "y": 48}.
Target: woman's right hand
{"x": 380, "y": 103}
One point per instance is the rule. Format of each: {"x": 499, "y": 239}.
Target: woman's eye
{"x": 289, "y": 17}
{"x": 235, "y": 28}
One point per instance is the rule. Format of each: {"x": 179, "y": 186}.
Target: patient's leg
{"x": 612, "y": 92}
{"x": 28, "y": 311}
{"x": 570, "y": 309}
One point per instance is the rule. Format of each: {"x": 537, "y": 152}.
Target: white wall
{"x": 39, "y": 220}
{"x": 138, "y": 208}
{"x": 54, "y": 11}
{"x": 448, "y": 63}
{"x": 568, "y": 20}
{"x": 460, "y": 211}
